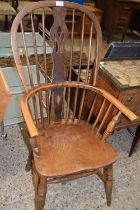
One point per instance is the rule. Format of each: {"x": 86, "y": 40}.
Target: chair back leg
{"x": 35, "y": 177}
{"x": 108, "y": 174}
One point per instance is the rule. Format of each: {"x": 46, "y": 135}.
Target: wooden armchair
{"x": 65, "y": 146}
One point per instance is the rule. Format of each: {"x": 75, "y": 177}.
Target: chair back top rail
{"x": 58, "y": 37}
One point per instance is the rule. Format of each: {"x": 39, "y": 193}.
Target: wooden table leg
{"x": 135, "y": 140}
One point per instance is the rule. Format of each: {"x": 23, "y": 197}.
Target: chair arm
{"x": 33, "y": 131}
{"x": 124, "y": 110}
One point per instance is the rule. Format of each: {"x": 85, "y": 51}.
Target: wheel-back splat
{"x": 59, "y": 35}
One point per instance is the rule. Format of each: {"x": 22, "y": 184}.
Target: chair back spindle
{"x": 57, "y": 30}
{"x": 58, "y": 36}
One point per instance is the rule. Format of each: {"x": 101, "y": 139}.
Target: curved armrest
{"x": 27, "y": 116}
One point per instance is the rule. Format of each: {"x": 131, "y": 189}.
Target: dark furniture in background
{"x": 124, "y": 55}
{"x": 121, "y": 51}
{"x": 117, "y": 16}
{"x": 135, "y": 21}
{"x": 128, "y": 95}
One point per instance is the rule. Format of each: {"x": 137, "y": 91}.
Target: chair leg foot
{"x": 108, "y": 173}
{"x": 41, "y": 193}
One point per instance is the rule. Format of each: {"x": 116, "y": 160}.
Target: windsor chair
{"x": 64, "y": 146}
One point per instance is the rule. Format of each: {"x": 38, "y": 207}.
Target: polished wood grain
{"x": 117, "y": 16}
{"x": 69, "y": 148}
{"x": 65, "y": 146}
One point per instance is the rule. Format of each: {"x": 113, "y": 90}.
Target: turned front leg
{"x": 41, "y": 193}
{"x": 35, "y": 178}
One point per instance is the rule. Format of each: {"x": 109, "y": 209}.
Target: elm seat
{"x": 67, "y": 149}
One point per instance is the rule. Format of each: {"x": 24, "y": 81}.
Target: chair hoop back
{"x": 58, "y": 34}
